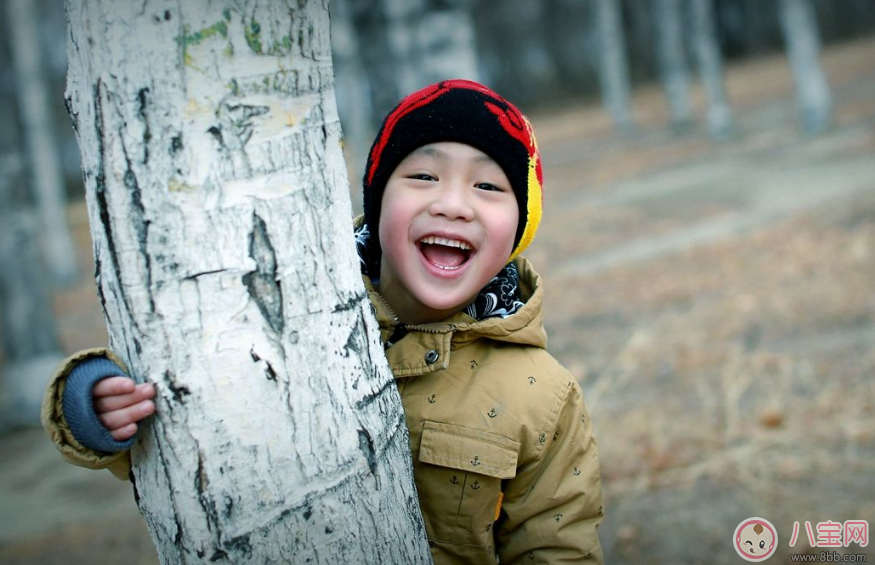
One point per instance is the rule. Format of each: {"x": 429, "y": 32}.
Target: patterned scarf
{"x": 499, "y": 298}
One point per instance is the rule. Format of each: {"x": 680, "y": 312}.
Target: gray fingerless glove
{"x": 78, "y": 405}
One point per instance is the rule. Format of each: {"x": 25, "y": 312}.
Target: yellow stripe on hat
{"x": 534, "y": 209}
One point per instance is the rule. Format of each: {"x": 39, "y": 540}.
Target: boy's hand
{"x": 120, "y": 404}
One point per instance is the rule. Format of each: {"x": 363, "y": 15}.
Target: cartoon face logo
{"x": 755, "y": 539}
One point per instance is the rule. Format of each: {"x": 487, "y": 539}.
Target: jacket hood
{"x": 524, "y": 327}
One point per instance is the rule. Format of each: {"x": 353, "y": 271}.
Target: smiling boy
{"x": 505, "y": 462}
{"x": 449, "y": 217}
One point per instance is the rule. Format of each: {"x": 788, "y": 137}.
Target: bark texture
{"x": 225, "y": 261}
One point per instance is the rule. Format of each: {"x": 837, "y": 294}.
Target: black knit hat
{"x": 466, "y": 112}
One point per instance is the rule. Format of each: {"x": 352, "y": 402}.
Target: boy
{"x": 452, "y": 196}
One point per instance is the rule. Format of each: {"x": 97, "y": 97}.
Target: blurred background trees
{"x": 36, "y": 252}
{"x": 539, "y": 54}
{"x": 547, "y": 54}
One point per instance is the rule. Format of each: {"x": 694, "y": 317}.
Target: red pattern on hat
{"x": 407, "y": 105}
{"x": 519, "y": 128}
{"x": 511, "y": 121}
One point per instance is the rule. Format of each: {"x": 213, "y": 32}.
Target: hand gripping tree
{"x": 220, "y": 216}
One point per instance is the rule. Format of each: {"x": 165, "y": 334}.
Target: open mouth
{"x": 443, "y": 253}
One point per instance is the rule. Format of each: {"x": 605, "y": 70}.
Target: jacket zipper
{"x": 402, "y": 329}
{"x": 399, "y": 331}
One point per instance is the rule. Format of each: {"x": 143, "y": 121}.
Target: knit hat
{"x": 466, "y": 112}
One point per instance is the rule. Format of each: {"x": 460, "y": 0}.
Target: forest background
{"x": 710, "y": 288}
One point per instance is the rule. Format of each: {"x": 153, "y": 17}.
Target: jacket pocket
{"x": 459, "y": 473}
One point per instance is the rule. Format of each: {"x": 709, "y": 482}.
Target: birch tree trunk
{"x": 813, "y": 97}
{"x": 30, "y": 339}
{"x": 613, "y": 70}
{"x": 221, "y": 223}
{"x": 710, "y": 68}
{"x": 45, "y": 173}
{"x": 673, "y": 66}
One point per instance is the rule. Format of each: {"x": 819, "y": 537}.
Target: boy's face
{"x": 447, "y": 225}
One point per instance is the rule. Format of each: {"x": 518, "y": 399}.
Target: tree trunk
{"x": 673, "y": 61}
{"x": 29, "y": 335}
{"x": 47, "y": 179}
{"x": 614, "y": 72}
{"x": 221, "y": 223}
{"x": 710, "y": 68}
{"x": 813, "y": 97}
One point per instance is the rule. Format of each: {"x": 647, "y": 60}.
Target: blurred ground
{"x": 715, "y": 300}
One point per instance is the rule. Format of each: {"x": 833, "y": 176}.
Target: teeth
{"x": 433, "y": 240}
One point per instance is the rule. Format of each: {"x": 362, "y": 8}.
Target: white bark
{"x": 613, "y": 69}
{"x": 813, "y": 97}
{"x": 221, "y": 221}
{"x": 707, "y": 50}
{"x": 45, "y": 166}
{"x": 673, "y": 66}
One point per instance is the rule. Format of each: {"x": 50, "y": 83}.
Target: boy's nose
{"x": 452, "y": 202}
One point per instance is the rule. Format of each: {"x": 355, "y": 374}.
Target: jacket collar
{"x": 425, "y": 348}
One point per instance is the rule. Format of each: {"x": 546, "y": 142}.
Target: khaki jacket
{"x": 505, "y": 461}
{"x": 504, "y": 457}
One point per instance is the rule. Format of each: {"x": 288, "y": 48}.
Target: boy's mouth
{"x": 444, "y": 253}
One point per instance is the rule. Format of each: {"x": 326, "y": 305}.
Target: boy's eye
{"x": 422, "y": 176}
{"x": 489, "y": 187}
